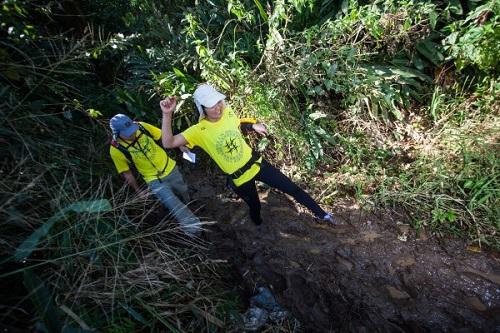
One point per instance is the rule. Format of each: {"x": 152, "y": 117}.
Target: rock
{"x": 255, "y": 318}
{"x": 315, "y": 251}
{"x": 348, "y": 241}
{"x": 404, "y": 228}
{"x": 344, "y": 262}
{"x": 405, "y": 261}
{"x": 422, "y": 235}
{"x": 396, "y": 293}
{"x": 370, "y": 236}
{"x": 492, "y": 277}
{"x": 476, "y": 304}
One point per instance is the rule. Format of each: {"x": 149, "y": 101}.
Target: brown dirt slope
{"x": 368, "y": 274}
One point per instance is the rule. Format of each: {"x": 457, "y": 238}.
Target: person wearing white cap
{"x": 219, "y": 133}
{"x": 134, "y": 143}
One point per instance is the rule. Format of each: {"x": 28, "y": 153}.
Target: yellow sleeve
{"x": 248, "y": 121}
{"x": 120, "y": 161}
{"x": 191, "y": 135}
{"x": 153, "y": 130}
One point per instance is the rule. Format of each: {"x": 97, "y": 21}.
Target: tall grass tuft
{"x": 104, "y": 264}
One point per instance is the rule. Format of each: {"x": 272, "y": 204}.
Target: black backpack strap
{"x": 122, "y": 149}
{"x": 253, "y": 159}
{"x": 145, "y": 131}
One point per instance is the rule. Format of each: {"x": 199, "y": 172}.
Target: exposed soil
{"x": 371, "y": 273}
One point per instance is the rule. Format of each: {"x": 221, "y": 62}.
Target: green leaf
{"x": 317, "y": 115}
{"x": 326, "y": 136}
{"x": 469, "y": 184}
{"x": 93, "y": 113}
{"x": 396, "y": 113}
{"x": 456, "y": 7}
{"x": 433, "y": 19}
{"x": 178, "y": 72}
{"x": 451, "y": 216}
{"x": 261, "y": 10}
{"x": 328, "y": 84}
{"x": 407, "y": 25}
{"x": 44, "y": 304}
{"x": 430, "y": 51}
{"x": 332, "y": 70}
{"x": 418, "y": 63}
{"x": 29, "y": 245}
{"x": 345, "y": 6}
{"x": 410, "y": 73}
{"x": 136, "y": 315}
{"x": 93, "y": 206}
{"x": 262, "y": 144}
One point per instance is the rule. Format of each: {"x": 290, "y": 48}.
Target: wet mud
{"x": 371, "y": 273}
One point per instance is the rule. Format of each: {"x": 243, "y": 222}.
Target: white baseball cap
{"x": 206, "y": 96}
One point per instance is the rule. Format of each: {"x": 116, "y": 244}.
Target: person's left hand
{"x": 260, "y": 128}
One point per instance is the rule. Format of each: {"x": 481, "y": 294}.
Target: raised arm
{"x": 169, "y": 140}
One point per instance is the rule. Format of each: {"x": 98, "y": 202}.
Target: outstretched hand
{"x": 168, "y": 105}
{"x": 260, "y": 128}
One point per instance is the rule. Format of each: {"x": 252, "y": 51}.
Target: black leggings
{"x": 274, "y": 178}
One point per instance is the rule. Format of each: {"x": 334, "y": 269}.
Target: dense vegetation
{"x": 392, "y": 103}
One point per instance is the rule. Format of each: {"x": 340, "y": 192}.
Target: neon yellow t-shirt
{"x": 150, "y": 160}
{"x": 223, "y": 141}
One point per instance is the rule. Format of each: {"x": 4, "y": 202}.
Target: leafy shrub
{"x": 474, "y": 41}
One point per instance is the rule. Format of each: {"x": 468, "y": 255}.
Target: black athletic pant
{"x": 274, "y": 178}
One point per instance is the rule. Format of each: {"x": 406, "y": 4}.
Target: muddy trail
{"x": 368, "y": 274}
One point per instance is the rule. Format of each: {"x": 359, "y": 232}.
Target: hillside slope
{"x": 370, "y": 272}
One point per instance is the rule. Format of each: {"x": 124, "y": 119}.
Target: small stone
{"x": 344, "y": 262}
{"x": 403, "y": 237}
{"x": 405, "y": 261}
{"x": 370, "y": 236}
{"x": 348, "y": 241}
{"x": 396, "y": 293}
{"x": 476, "y": 304}
{"x": 492, "y": 277}
{"x": 315, "y": 251}
{"x": 422, "y": 235}
{"x": 474, "y": 249}
{"x": 404, "y": 228}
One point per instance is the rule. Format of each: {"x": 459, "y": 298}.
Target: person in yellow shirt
{"x": 219, "y": 133}
{"x": 135, "y": 143}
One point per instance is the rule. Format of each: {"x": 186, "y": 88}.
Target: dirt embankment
{"x": 368, "y": 274}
